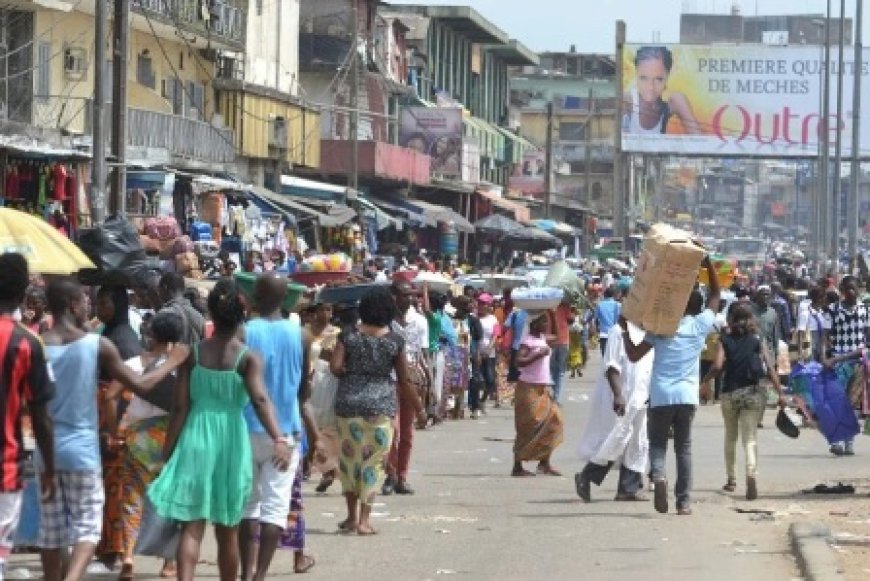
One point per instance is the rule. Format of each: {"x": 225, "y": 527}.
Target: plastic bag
{"x": 562, "y": 277}
{"x": 828, "y": 401}
{"x": 116, "y": 250}
{"x": 325, "y": 386}
{"x": 158, "y": 536}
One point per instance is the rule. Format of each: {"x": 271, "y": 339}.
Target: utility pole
{"x": 619, "y": 221}
{"x": 838, "y": 146}
{"x": 98, "y": 147}
{"x": 852, "y": 218}
{"x": 353, "y": 178}
{"x": 549, "y": 169}
{"x": 587, "y": 162}
{"x": 120, "y": 48}
{"x": 826, "y": 147}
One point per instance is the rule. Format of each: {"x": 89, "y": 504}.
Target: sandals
{"x": 548, "y": 471}
{"x": 521, "y": 473}
{"x": 307, "y": 563}
{"x": 126, "y": 573}
{"x": 730, "y": 486}
{"x": 324, "y": 484}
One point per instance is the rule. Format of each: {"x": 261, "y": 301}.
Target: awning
{"x": 555, "y": 227}
{"x": 24, "y": 145}
{"x": 412, "y": 217}
{"x": 432, "y": 214}
{"x": 520, "y": 212}
{"x": 384, "y": 220}
{"x": 146, "y": 179}
{"x": 336, "y": 215}
{"x": 311, "y": 189}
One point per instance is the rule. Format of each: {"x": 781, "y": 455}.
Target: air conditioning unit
{"x": 278, "y": 138}
{"x": 75, "y": 62}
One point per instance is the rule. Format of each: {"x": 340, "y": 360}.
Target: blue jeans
{"x": 660, "y": 419}
{"x": 558, "y": 364}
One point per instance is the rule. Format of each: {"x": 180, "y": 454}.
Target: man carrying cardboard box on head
{"x": 674, "y": 389}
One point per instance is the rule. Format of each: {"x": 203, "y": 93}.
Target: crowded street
{"x": 415, "y": 291}
{"x": 470, "y": 520}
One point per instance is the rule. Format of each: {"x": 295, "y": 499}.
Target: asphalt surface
{"x": 470, "y": 519}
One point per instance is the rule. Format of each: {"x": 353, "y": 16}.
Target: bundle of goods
{"x": 115, "y": 248}
{"x": 726, "y": 272}
{"x": 295, "y": 291}
{"x": 405, "y": 275}
{"x": 437, "y": 282}
{"x": 561, "y": 276}
{"x": 346, "y": 292}
{"x": 665, "y": 277}
{"x": 538, "y": 298}
{"x": 323, "y": 268}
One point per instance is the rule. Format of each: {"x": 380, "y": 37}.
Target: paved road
{"x": 469, "y": 519}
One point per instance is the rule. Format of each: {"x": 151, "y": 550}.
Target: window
{"x": 259, "y": 7}
{"x": 75, "y": 63}
{"x": 145, "y": 71}
{"x": 43, "y": 72}
{"x": 571, "y": 131}
{"x": 196, "y": 96}
{"x": 173, "y": 91}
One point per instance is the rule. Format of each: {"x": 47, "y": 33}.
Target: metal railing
{"x": 224, "y": 19}
{"x": 182, "y": 137}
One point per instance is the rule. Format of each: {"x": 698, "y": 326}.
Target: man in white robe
{"x": 616, "y": 429}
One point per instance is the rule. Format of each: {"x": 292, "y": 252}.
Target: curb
{"x": 815, "y": 558}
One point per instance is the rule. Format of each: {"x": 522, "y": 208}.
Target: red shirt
{"x": 562, "y": 317}
{"x": 24, "y": 379}
{"x": 59, "y": 172}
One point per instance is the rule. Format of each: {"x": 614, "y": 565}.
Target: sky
{"x": 589, "y": 24}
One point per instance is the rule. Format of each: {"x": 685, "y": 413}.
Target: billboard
{"x": 436, "y": 132}
{"x": 734, "y": 100}
{"x": 529, "y": 177}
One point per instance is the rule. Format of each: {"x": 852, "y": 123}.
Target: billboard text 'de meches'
{"x": 733, "y": 100}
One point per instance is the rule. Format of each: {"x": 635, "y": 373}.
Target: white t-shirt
{"x": 809, "y": 319}
{"x": 487, "y": 343}
{"x": 421, "y": 326}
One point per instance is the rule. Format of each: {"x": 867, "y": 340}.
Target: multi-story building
{"x": 173, "y": 46}
{"x": 734, "y": 27}
{"x": 259, "y": 96}
{"x": 581, "y": 89}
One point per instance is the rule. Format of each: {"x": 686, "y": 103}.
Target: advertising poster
{"x": 436, "y": 132}
{"x": 734, "y": 100}
{"x": 530, "y": 176}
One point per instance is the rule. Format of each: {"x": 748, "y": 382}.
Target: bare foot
{"x": 365, "y": 530}
{"x": 347, "y": 526}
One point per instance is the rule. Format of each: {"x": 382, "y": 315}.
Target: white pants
{"x": 10, "y": 510}
{"x": 269, "y": 502}
{"x": 438, "y": 377}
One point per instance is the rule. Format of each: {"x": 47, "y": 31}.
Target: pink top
{"x": 537, "y": 373}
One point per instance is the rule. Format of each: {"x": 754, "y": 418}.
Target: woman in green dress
{"x": 208, "y": 475}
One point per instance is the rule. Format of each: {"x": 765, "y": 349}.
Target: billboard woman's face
{"x": 652, "y": 78}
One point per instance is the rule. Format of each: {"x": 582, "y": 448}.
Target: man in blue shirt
{"x": 607, "y": 313}
{"x": 285, "y": 363}
{"x": 674, "y": 390}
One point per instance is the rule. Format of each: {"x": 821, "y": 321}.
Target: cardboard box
{"x": 666, "y": 273}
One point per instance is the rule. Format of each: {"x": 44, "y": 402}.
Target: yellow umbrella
{"x": 47, "y": 250}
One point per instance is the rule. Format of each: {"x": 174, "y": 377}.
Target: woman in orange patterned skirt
{"x": 537, "y": 418}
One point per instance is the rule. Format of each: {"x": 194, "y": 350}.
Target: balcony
{"x": 181, "y": 137}
{"x": 322, "y": 51}
{"x": 600, "y": 150}
{"x": 219, "y": 21}
{"x": 377, "y": 160}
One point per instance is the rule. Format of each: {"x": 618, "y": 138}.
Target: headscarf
{"x": 118, "y": 330}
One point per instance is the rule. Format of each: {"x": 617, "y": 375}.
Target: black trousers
{"x": 630, "y": 482}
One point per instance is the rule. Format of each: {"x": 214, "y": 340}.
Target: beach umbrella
{"x": 47, "y": 250}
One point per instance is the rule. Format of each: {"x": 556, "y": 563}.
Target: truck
{"x": 750, "y": 253}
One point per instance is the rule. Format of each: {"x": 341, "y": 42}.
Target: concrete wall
{"x": 65, "y": 104}
{"x": 272, "y": 53}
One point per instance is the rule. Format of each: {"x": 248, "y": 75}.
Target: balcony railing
{"x": 219, "y": 20}
{"x": 182, "y": 137}
{"x": 601, "y": 150}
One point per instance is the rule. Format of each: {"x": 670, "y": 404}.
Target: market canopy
{"x": 555, "y": 227}
{"x": 432, "y": 214}
{"x": 532, "y": 238}
{"x": 497, "y": 224}
{"x": 334, "y": 215}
